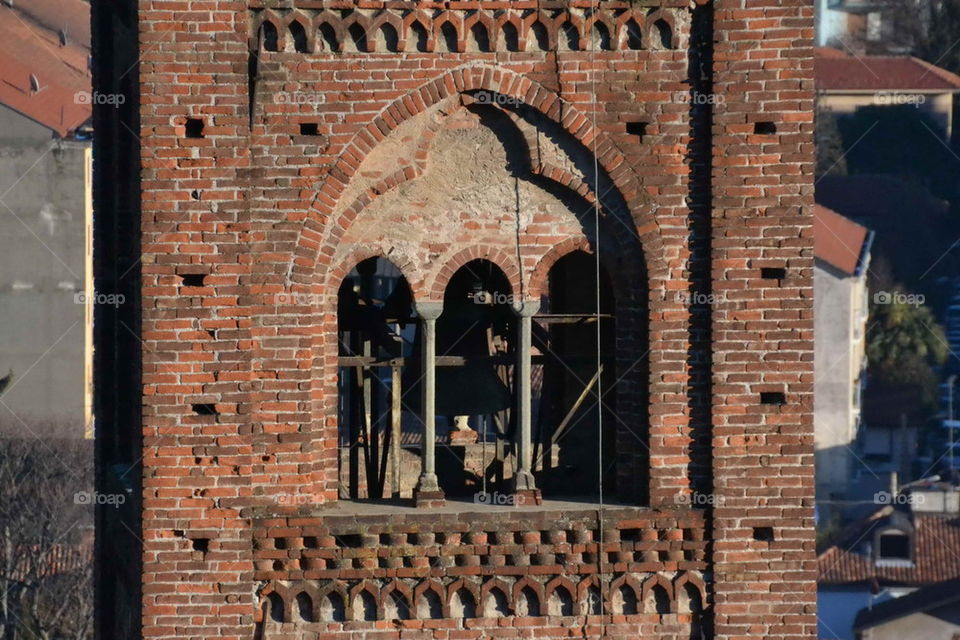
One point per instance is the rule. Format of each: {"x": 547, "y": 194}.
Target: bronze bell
{"x": 464, "y": 329}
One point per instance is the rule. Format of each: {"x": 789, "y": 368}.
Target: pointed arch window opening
{"x": 480, "y": 443}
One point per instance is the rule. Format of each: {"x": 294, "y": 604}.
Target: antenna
{"x": 64, "y": 36}
{"x": 34, "y": 84}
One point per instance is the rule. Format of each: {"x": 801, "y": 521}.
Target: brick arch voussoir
{"x": 649, "y": 29}
{"x": 692, "y": 579}
{"x": 657, "y": 580}
{"x": 536, "y": 587}
{"x": 334, "y": 22}
{"x": 363, "y": 22}
{"x": 541, "y": 272}
{"x": 264, "y": 596}
{"x": 371, "y": 588}
{"x": 458, "y": 28}
{"x": 278, "y": 23}
{"x": 468, "y": 79}
{"x": 487, "y": 21}
{"x": 463, "y": 583}
{"x": 490, "y": 585}
{"x": 506, "y": 263}
{"x": 306, "y": 23}
{"x": 578, "y": 24}
{"x": 517, "y": 22}
{"x": 559, "y": 581}
{"x": 394, "y": 21}
{"x": 626, "y": 580}
{"x": 437, "y": 588}
{"x": 404, "y": 264}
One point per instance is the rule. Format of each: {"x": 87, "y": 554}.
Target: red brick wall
{"x": 762, "y": 339}
{"x": 266, "y": 215}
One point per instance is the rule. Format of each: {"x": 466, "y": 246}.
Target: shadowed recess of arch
{"x": 601, "y": 37}
{"x": 463, "y": 604}
{"x": 510, "y": 36}
{"x": 519, "y": 163}
{"x": 479, "y": 37}
{"x": 540, "y": 36}
{"x": 358, "y": 35}
{"x": 664, "y": 34}
{"x": 633, "y": 35}
{"x": 304, "y": 606}
{"x": 328, "y": 36}
{"x": 570, "y": 35}
{"x": 274, "y": 607}
{"x": 430, "y": 605}
{"x": 448, "y": 35}
{"x": 387, "y": 37}
{"x": 365, "y": 607}
{"x": 333, "y": 608}
{"x": 420, "y": 36}
{"x": 268, "y": 36}
{"x": 496, "y": 605}
{"x": 299, "y": 36}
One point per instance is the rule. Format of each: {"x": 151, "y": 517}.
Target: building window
{"x": 893, "y": 546}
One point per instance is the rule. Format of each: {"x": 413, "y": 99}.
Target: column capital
{"x": 526, "y": 308}
{"x": 429, "y": 309}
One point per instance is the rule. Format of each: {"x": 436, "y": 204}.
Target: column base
{"x": 428, "y": 499}
{"x": 427, "y": 494}
{"x": 523, "y": 497}
{"x": 525, "y": 489}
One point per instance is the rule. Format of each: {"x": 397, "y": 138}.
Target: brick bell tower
{"x": 456, "y": 320}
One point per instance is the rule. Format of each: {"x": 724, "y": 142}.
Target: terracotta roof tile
{"x": 837, "y": 241}
{"x": 29, "y": 49}
{"x": 836, "y": 71}
{"x": 936, "y": 554}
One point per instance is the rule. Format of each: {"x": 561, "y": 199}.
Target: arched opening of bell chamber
{"x": 575, "y": 422}
{"x": 376, "y": 330}
{"x": 474, "y": 394}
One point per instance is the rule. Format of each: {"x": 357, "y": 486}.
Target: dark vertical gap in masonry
{"x": 117, "y": 350}
{"x": 700, "y": 157}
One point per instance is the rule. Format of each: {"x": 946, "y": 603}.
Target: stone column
{"x": 427, "y": 492}
{"x": 524, "y": 483}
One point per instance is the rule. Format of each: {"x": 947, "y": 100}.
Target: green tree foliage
{"x": 904, "y": 345}
{"x": 829, "y": 143}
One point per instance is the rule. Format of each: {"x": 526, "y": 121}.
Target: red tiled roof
{"x": 73, "y": 16}
{"x": 837, "y": 241}
{"x": 836, "y": 71}
{"x": 936, "y": 548}
{"x": 34, "y": 562}
{"x": 26, "y": 49}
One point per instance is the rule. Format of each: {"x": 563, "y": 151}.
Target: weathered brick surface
{"x": 239, "y": 369}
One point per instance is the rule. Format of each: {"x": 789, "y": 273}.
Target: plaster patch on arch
{"x": 319, "y": 231}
